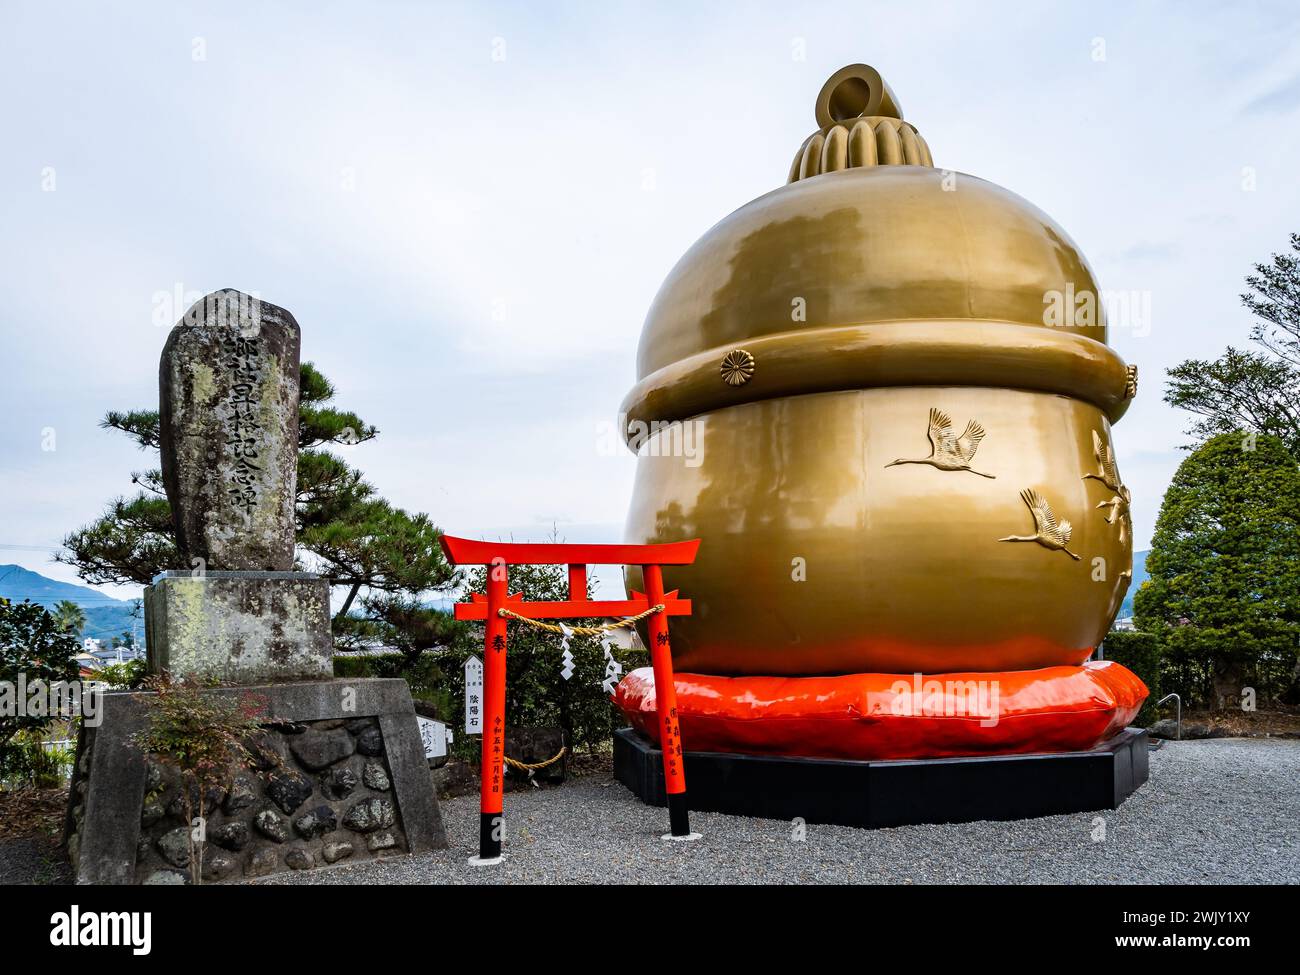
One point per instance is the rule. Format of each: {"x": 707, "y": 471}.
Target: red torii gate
{"x": 498, "y": 556}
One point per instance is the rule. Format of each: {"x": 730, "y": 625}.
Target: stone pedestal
{"x": 240, "y": 627}
{"x": 884, "y": 794}
{"x": 339, "y": 777}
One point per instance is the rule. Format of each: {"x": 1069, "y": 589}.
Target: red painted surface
{"x": 575, "y": 609}
{"x": 670, "y": 729}
{"x": 577, "y": 582}
{"x": 466, "y": 551}
{"x": 888, "y": 716}
{"x": 498, "y": 556}
{"x": 493, "y": 754}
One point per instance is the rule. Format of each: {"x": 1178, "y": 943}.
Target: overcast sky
{"x": 468, "y": 208}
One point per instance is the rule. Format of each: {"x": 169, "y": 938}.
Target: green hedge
{"x": 26, "y": 761}
{"x": 1139, "y": 652}
{"x": 424, "y": 676}
{"x": 536, "y": 694}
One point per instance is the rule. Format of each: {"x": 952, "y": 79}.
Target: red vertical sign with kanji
{"x": 492, "y": 765}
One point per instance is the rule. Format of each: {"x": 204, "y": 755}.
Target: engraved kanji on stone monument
{"x": 228, "y": 385}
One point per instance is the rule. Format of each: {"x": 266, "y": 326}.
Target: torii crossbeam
{"x": 498, "y": 556}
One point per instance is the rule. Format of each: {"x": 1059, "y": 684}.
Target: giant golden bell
{"x": 898, "y": 401}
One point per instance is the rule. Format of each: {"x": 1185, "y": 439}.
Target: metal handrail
{"x": 1180, "y": 711}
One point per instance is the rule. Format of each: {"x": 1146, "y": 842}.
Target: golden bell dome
{"x": 821, "y": 334}
{"x": 890, "y": 254}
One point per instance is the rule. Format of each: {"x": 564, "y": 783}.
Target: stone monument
{"x": 228, "y": 399}
{"x": 338, "y": 772}
{"x": 228, "y": 403}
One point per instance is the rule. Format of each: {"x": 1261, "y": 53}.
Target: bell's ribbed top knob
{"x": 860, "y": 125}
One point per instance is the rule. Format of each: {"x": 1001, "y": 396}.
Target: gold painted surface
{"x": 949, "y": 452}
{"x": 1049, "y": 531}
{"x": 1108, "y": 475}
{"x": 862, "y": 143}
{"x": 891, "y": 354}
{"x": 886, "y": 244}
{"x": 737, "y": 367}
{"x": 903, "y": 569}
{"x": 855, "y": 91}
{"x": 874, "y": 297}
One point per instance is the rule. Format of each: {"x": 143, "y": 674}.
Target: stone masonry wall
{"x": 320, "y": 792}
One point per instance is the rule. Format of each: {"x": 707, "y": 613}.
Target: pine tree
{"x": 1224, "y": 592}
{"x": 33, "y": 648}
{"x": 344, "y": 529}
{"x": 1250, "y": 390}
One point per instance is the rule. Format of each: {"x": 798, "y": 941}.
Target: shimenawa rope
{"x": 533, "y": 766}
{"x": 584, "y": 630}
{"x": 576, "y": 631}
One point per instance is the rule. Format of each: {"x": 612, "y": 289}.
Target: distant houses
{"x": 95, "y": 655}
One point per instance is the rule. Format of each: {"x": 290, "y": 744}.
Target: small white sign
{"x": 473, "y": 695}
{"x": 434, "y": 735}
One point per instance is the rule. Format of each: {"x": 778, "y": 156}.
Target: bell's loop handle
{"x": 855, "y": 91}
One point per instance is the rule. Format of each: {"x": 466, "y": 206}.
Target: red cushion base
{"x": 894, "y": 716}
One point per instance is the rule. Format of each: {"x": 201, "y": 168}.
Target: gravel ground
{"x": 33, "y": 860}
{"x": 1215, "y": 811}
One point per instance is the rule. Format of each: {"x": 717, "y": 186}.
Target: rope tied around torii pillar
{"x": 568, "y": 631}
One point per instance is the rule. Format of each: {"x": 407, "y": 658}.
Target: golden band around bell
{"x": 909, "y": 353}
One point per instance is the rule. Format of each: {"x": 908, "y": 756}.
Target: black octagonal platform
{"x": 894, "y": 793}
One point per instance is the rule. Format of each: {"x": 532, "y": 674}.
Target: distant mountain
{"x": 1139, "y": 576}
{"x": 106, "y": 617}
